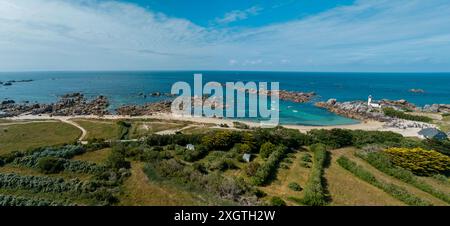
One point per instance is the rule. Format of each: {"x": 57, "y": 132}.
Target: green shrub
{"x": 116, "y": 160}
{"x": 442, "y": 146}
{"x": 419, "y": 161}
{"x": 306, "y": 157}
{"x": 442, "y": 179}
{"x": 251, "y": 168}
{"x": 314, "y": 189}
{"x": 277, "y": 201}
{"x": 49, "y": 165}
{"x": 266, "y": 149}
{"x": 9, "y": 200}
{"x": 123, "y": 130}
{"x": 105, "y": 197}
{"x": 402, "y": 115}
{"x": 294, "y": 186}
{"x": 361, "y": 138}
{"x": 305, "y": 165}
{"x": 334, "y": 138}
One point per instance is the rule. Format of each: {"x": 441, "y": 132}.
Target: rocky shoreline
{"x": 362, "y": 110}
{"x": 67, "y": 105}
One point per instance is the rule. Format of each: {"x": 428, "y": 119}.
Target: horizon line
{"x": 221, "y": 70}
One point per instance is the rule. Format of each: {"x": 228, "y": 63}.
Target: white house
{"x": 247, "y": 157}
{"x": 190, "y": 147}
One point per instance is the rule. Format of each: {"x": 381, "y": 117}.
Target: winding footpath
{"x": 83, "y": 131}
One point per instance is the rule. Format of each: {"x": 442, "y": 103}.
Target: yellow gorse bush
{"x": 420, "y": 161}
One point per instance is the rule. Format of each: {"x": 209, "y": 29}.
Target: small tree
{"x": 266, "y": 149}
{"x": 50, "y": 165}
{"x": 116, "y": 160}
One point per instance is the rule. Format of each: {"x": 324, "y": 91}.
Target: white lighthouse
{"x": 370, "y": 104}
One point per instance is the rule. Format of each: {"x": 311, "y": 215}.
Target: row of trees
{"x": 10, "y": 200}
{"x": 267, "y": 170}
{"x": 314, "y": 193}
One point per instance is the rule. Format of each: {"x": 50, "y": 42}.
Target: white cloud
{"x": 237, "y": 15}
{"x": 407, "y": 35}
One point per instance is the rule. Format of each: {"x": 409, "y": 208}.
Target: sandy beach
{"x": 366, "y": 125}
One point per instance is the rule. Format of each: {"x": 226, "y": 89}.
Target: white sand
{"x": 367, "y": 125}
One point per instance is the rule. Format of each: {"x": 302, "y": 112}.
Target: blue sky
{"x": 284, "y": 35}
{"x": 206, "y": 13}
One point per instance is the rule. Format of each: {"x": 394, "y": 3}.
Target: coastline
{"x": 368, "y": 125}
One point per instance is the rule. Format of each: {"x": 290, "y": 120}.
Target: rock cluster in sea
{"x": 297, "y": 97}
{"x": 156, "y": 94}
{"x": 69, "y": 104}
{"x": 10, "y": 82}
{"x": 417, "y": 91}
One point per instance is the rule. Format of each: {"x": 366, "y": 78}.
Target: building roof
{"x": 247, "y": 157}
{"x": 432, "y": 133}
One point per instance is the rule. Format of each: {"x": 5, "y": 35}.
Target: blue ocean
{"x": 124, "y": 88}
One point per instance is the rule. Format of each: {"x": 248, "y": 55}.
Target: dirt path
{"x": 83, "y": 131}
{"x": 173, "y": 131}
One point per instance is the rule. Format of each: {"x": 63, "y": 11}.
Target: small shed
{"x": 190, "y": 147}
{"x": 433, "y": 133}
{"x": 247, "y": 157}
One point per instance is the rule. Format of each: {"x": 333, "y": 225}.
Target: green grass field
{"x": 143, "y": 128}
{"x": 15, "y": 137}
{"x": 99, "y": 129}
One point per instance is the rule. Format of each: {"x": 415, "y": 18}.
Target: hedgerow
{"x": 76, "y": 166}
{"x": 10, "y": 200}
{"x": 123, "y": 130}
{"x": 382, "y": 162}
{"x": 67, "y": 152}
{"x": 41, "y": 183}
{"x": 392, "y": 189}
{"x": 314, "y": 190}
{"x": 267, "y": 170}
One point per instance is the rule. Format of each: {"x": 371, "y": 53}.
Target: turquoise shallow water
{"x": 123, "y": 88}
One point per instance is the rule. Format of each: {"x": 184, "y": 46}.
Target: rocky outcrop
{"x": 353, "y": 109}
{"x": 417, "y": 91}
{"x": 159, "y": 94}
{"x": 362, "y": 111}
{"x": 401, "y": 105}
{"x": 68, "y": 104}
{"x": 147, "y": 109}
{"x": 10, "y": 82}
{"x": 296, "y": 97}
